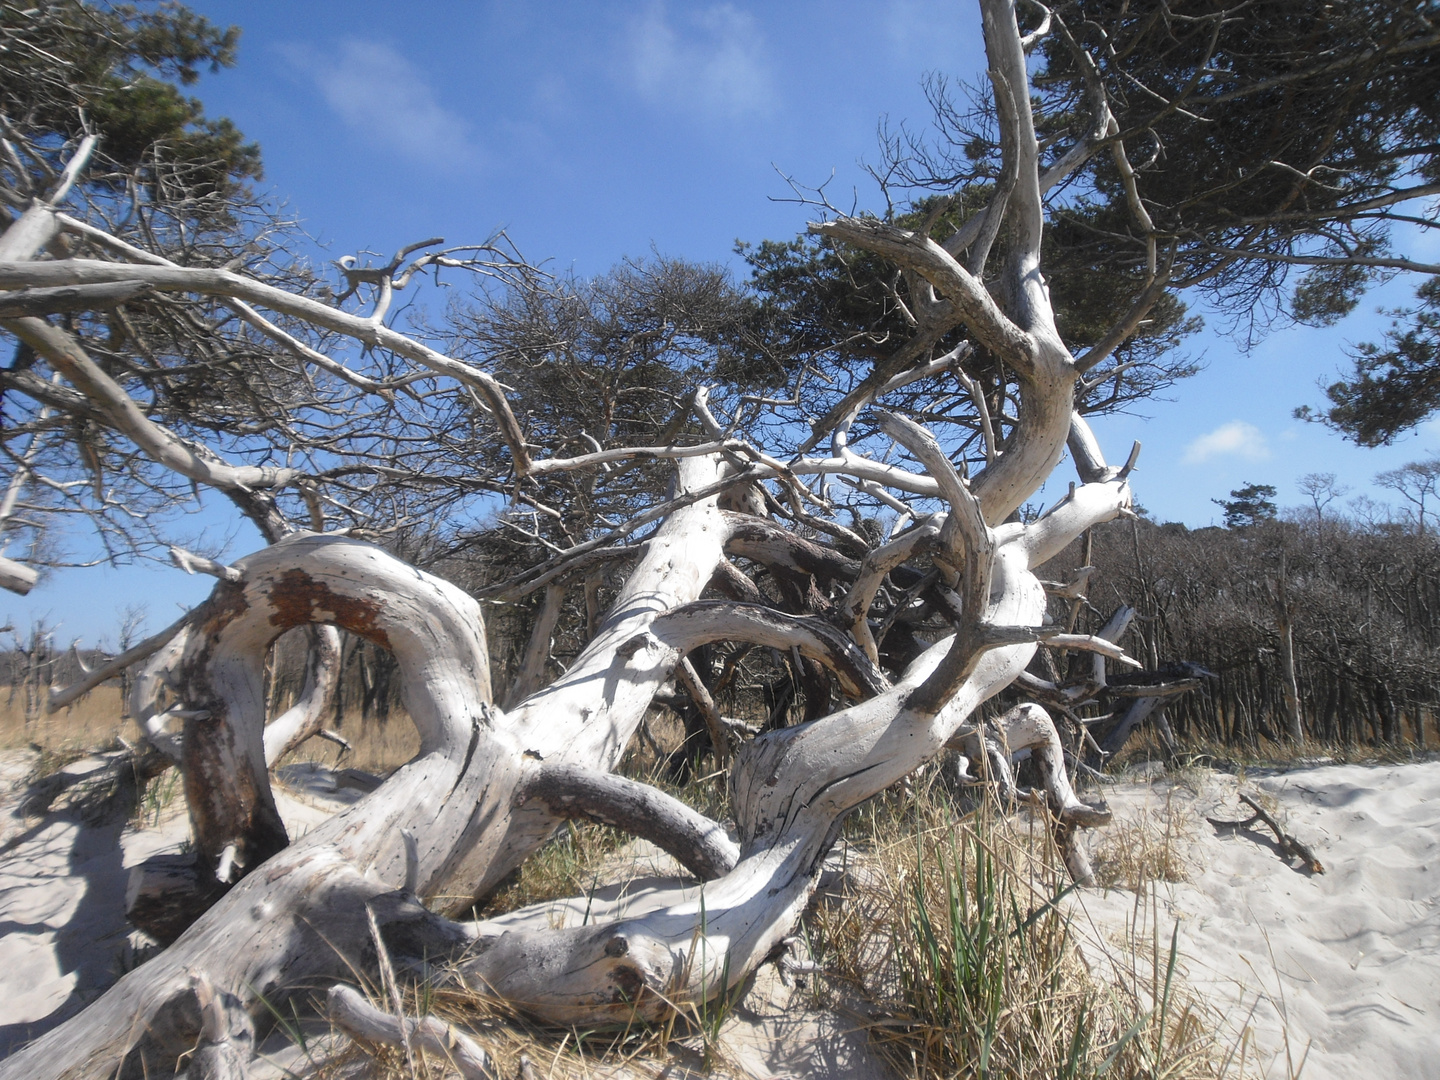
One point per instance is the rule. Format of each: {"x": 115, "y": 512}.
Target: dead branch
{"x": 367, "y": 1024}
{"x": 571, "y": 791}
{"x": 1288, "y": 844}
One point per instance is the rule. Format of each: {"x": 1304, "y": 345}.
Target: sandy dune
{"x": 63, "y": 934}
{"x": 1340, "y": 971}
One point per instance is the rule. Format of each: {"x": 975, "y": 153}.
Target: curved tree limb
{"x": 704, "y": 621}
{"x": 66, "y": 355}
{"x": 572, "y": 791}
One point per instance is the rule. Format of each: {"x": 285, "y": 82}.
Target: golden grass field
{"x": 95, "y": 721}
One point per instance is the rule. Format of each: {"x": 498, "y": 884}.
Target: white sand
{"x": 63, "y": 934}
{"x": 1339, "y": 970}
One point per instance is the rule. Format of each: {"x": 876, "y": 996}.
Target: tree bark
{"x": 1289, "y": 684}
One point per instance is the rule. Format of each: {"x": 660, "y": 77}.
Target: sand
{"x": 1326, "y": 975}
{"x": 63, "y": 935}
{"x": 1317, "y": 975}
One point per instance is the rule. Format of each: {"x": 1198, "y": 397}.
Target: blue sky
{"x": 593, "y": 131}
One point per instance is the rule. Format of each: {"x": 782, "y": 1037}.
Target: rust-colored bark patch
{"x": 224, "y": 605}
{"x": 297, "y": 597}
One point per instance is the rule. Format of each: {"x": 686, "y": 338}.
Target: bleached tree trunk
{"x": 304, "y": 919}
{"x": 273, "y": 917}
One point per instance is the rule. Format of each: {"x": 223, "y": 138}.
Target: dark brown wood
{"x": 167, "y": 893}
{"x": 1288, "y": 844}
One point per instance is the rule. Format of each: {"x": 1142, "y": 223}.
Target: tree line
{"x": 1325, "y": 625}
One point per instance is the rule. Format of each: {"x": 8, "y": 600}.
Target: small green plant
{"x": 289, "y": 1022}
{"x": 710, "y": 1014}
{"x": 958, "y": 940}
{"x": 159, "y": 794}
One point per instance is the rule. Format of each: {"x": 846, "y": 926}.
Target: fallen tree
{"x": 916, "y": 625}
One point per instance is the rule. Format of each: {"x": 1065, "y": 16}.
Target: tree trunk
{"x": 1289, "y": 685}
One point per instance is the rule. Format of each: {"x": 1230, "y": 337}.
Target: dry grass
{"x": 1273, "y": 755}
{"x": 1133, "y": 852}
{"x": 641, "y": 1051}
{"x": 955, "y": 942}
{"x": 94, "y": 722}
{"x": 90, "y": 724}
{"x": 378, "y": 748}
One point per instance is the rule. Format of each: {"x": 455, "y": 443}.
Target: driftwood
{"x": 260, "y": 917}
{"x": 227, "y": 1038}
{"x": 367, "y": 1024}
{"x": 1288, "y": 844}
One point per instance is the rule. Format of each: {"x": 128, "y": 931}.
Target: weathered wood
{"x": 688, "y": 677}
{"x": 305, "y": 719}
{"x": 699, "y": 844}
{"x": 64, "y": 353}
{"x": 227, "y": 1038}
{"x": 26, "y": 302}
{"x": 305, "y": 915}
{"x": 704, "y": 621}
{"x": 878, "y": 564}
{"x": 16, "y": 577}
{"x": 1138, "y": 712}
{"x": 364, "y": 1022}
{"x": 58, "y": 699}
{"x": 304, "y": 919}
{"x": 531, "y": 675}
{"x": 1288, "y": 844}
{"x": 765, "y": 542}
{"x": 1028, "y": 727}
{"x": 791, "y": 788}
{"x": 166, "y": 893}
{"x": 1113, "y": 630}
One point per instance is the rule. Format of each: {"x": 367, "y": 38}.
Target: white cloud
{"x": 928, "y": 31}
{"x": 1235, "y": 439}
{"x": 384, "y": 98}
{"x": 713, "y": 60}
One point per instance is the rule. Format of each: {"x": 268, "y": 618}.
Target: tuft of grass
{"x": 957, "y": 946}
{"x": 158, "y": 797}
{"x": 1132, "y": 852}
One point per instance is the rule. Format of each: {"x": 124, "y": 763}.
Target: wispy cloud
{"x": 1235, "y": 439}
{"x": 923, "y": 28}
{"x": 384, "y": 98}
{"x": 710, "y": 59}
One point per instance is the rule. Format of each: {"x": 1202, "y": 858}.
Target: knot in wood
{"x": 618, "y": 945}
{"x": 631, "y": 646}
